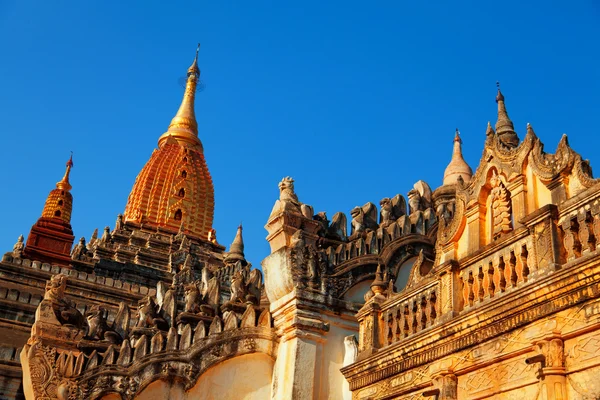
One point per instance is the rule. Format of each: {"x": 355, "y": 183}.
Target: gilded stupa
{"x": 175, "y": 189}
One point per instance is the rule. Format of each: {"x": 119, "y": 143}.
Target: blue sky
{"x": 355, "y": 100}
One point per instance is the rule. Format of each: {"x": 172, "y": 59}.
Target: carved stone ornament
{"x": 501, "y": 208}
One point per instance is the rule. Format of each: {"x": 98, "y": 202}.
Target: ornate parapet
{"x": 175, "y": 336}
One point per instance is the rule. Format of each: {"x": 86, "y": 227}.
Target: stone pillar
{"x": 450, "y": 294}
{"x": 369, "y": 320}
{"x": 474, "y": 230}
{"x": 447, "y": 384}
{"x": 311, "y": 348}
{"x": 518, "y": 197}
{"x": 298, "y": 369}
{"x": 546, "y": 239}
{"x": 282, "y": 226}
{"x": 552, "y": 373}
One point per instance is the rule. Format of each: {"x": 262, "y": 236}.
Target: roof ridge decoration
{"x": 559, "y": 177}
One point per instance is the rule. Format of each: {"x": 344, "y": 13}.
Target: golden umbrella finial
{"x": 184, "y": 127}
{"x": 64, "y": 184}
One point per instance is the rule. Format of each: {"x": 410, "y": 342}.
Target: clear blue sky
{"x": 356, "y": 101}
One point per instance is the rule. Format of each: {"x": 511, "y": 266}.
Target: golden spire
{"x": 64, "y": 184}
{"x": 504, "y": 126}
{"x": 184, "y": 127}
{"x": 457, "y": 167}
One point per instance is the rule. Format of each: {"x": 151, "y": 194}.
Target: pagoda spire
{"x": 457, "y": 167}
{"x": 236, "y": 250}
{"x": 51, "y": 237}
{"x": 183, "y": 127}
{"x": 504, "y": 126}
{"x": 60, "y": 202}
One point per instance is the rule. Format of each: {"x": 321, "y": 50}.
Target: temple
{"x": 487, "y": 287}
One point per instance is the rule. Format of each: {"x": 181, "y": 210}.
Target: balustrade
{"x": 496, "y": 274}
{"x": 581, "y": 230}
{"x": 409, "y": 314}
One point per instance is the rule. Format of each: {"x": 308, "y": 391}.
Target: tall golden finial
{"x": 504, "y": 126}
{"x": 183, "y": 127}
{"x": 64, "y": 184}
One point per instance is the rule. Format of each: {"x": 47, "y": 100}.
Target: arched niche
{"x": 404, "y": 274}
{"x": 356, "y": 293}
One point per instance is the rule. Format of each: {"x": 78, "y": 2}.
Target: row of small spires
{"x": 235, "y": 253}
{"x": 458, "y": 169}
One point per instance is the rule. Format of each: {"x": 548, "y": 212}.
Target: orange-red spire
{"x": 59, "y": 203}
{"x": 51, "y": 237}
{"x": 174, "y": 188}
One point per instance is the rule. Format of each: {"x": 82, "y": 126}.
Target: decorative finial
{"x": 458, "y": 167}
{"x": 379, "y": 284}
{"x": 499, "y": 96}
{"x": 184, "y": 127}
{"x": 530, "y": 129}
{"x": 457, "y": 136}
{"x": 193, "y": 69}
{"x": 504, "y": 126}
{"x": 489, "y": 131}
{"x": 64, "y": 184}
{"x": 236, "y": 250}
{"x": 18, "y": 248}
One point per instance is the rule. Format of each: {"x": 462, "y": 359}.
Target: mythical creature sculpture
{"x": 286, "y": 191}
{"x": 501, "y": 208}
{"x": 321, "y": 217}
{"x": 99, "y": 329}
{"x": 106, "y": 236}
{"x": 119, "y": 223}
{"x": 391, "y": 210}
{"x": 288, "y": 200}
{"x": 193, "y": 298}
{"x": 338, "y": 228}
{"x": 238, "y": 289}
{"x": 148, "y": 316}
{"x": 18, "y": 248}
{"x": 79, "y": 250}
{"x": 364, "y": 219}
{"x": 246, "y": 287}
{"x": 65, "y": 311}
{"x": 96, "y": 321}
{"x": 419, "y": 197}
